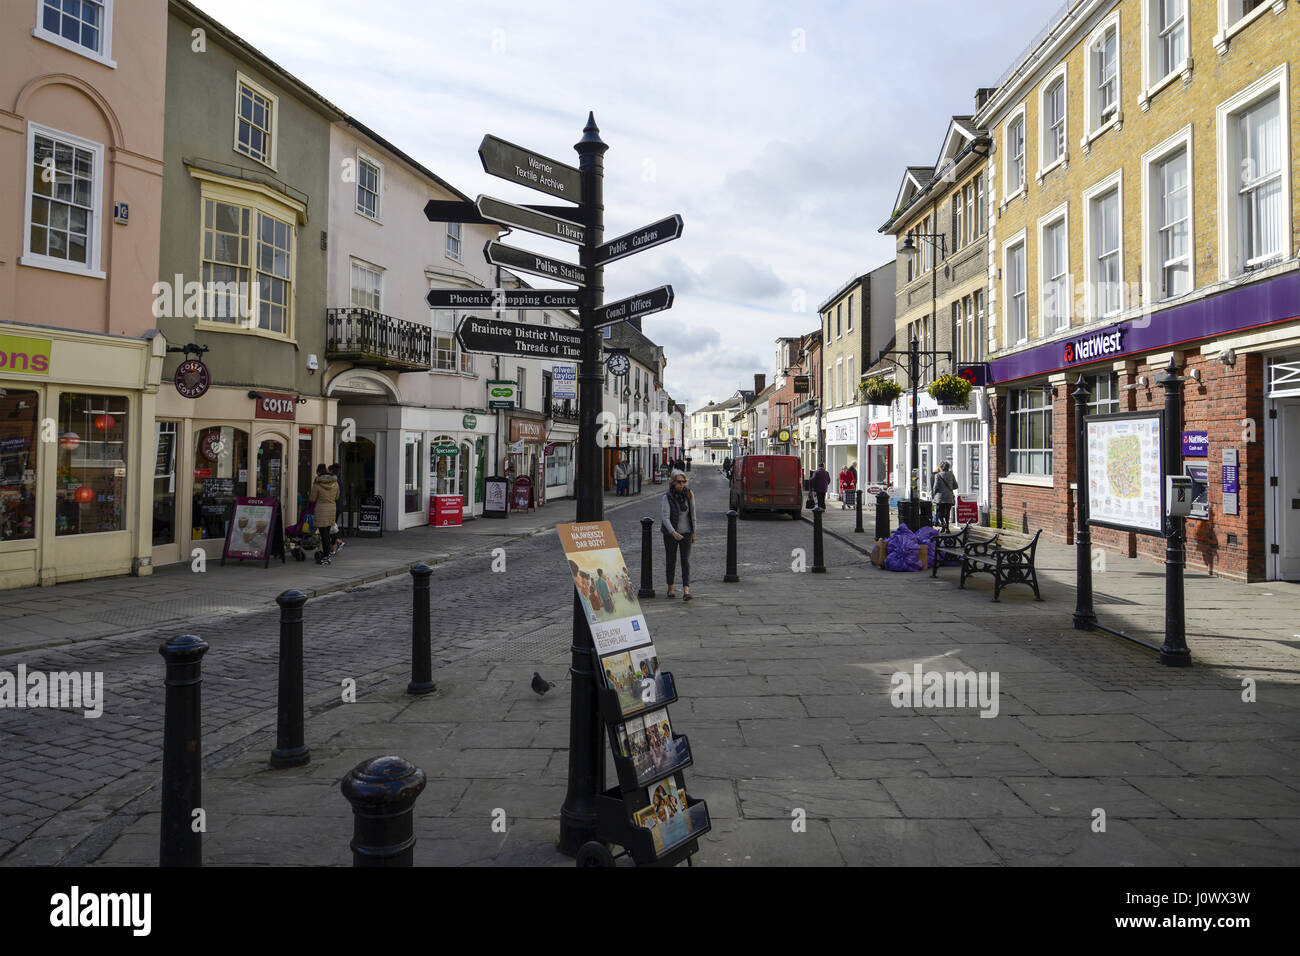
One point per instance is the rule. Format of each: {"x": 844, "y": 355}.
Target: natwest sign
{"x": 276, "y": 406}
{"x": 1089, "y": 348}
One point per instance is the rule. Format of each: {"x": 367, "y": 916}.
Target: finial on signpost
{"x": 591, "y": 136}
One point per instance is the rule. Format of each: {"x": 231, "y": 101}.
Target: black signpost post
{"x": 582, "y": 225}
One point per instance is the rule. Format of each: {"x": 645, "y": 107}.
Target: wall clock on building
{"x": 618, "y": 364}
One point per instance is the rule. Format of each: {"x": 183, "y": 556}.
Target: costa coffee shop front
{"x": 1238, "y": 352}
{"x": 76, "y": 440}
{"x": 224, "y": 443}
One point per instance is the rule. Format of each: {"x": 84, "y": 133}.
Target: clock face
{"x": 618, "y": 364}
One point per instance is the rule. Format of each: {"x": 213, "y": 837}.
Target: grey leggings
{"x": 671, "y": 547}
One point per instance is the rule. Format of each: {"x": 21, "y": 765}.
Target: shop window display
{"x": 18, "y": 464}
{"x": 91, "y": 488}
{"x": 220, "y": 476}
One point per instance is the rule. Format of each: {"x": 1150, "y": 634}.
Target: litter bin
{"x": 905, "y": 514}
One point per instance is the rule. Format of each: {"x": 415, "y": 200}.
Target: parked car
{"x": 767, "y": 483}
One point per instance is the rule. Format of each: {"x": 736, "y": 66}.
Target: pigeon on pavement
{"x": 541, "y": 686}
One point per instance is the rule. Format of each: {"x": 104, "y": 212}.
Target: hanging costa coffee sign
{"x": 276, "y": 406}
{"x": 192, "y": 379}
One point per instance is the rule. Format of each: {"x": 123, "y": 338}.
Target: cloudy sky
{"x": 778, "y": 130}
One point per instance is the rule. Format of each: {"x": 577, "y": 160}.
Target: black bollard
{"x": 818, "y": 565}
{"x": 857, "y": 502}
{"x": 179, "y": 843}
{"x": 421, "y": 652}
{"x": 732, "y": 576}
{"x": 882, "y": 515}
{"x": 647, "y": 560}
{"x": 383, "y": 791}
{"x": 290, "y": 748}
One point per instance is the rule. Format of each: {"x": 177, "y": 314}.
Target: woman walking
{"x": 677, "y": 521}
{"x": 325, "y": 495}
{"x": 945, "y": 484}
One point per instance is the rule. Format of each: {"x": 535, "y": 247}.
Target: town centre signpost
{"x": 584, "y": 226}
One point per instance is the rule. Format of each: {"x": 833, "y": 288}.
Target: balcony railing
{"x": 376, "y": 340}
{"x": 564, "y": 411}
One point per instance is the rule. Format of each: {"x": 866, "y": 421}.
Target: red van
{"x": 767, "y": 483}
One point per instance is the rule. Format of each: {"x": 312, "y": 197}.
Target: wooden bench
{"x": 1007, "y": 565}
{"x": 951, "y": 548}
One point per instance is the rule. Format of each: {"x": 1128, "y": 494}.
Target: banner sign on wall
{"x": 564, "y": 382}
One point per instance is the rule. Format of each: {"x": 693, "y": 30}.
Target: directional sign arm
{"x": 529, "y": 168}
{"x": 657, "y": 233}
{"x": 436, "y": 210}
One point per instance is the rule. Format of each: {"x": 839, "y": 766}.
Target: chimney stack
{"x": 760, "y": 382}
{"x": 983, "y": 95}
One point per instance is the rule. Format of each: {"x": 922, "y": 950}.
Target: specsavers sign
{"x": 501, "y": 394}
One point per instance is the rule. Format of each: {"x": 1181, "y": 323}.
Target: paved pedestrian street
{"x": 1088, "y": 751}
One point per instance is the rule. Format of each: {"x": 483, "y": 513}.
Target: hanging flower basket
{"x": 950, "y": 390}
{"x": 880, "y": 391}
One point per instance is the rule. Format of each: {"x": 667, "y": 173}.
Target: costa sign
{"x": 192, "y": 379}
{"x": 1092, "y": 347}
{"x": 276, "y": 406}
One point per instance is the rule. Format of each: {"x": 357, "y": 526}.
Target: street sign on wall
{"x": 530, "y": 169}
{"x": 521, "y": 260}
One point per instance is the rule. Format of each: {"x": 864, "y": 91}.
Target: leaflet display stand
{"x": 649, "y": 813}
{"x": 618, "y": 806}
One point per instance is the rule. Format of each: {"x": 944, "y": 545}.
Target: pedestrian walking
{"x": 677, "y": 522}
{"x": 821, "y": 481}
{"x": 943, "y": 492}
{"x": 846, "y": 487}
{"x": 620, "y": 478}
{"x": 325, "y": 496}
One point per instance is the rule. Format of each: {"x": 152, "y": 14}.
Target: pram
{"x": 302, "y": 537}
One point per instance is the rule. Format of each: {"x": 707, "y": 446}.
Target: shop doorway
{"x": 166, "y": 541}
{"x": 270, "y": 471}
{"x": 358, "y": 465}
{"x": 1286, "y": 493}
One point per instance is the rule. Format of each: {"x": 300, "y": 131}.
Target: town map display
{"x": 1124, "y": 477}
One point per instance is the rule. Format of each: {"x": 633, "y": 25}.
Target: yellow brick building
{"x": 1144, "y": 203}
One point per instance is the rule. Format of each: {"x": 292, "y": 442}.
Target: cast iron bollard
{"x": 731, "y": 576}
{"x": 290, "y": 747}
{"x": 647, "y": 560}
{"x": 182, "y": 773}
{"x": 882, "y": 515}
{"x": 857, "y": 501}
{"x": 383, "y": 791}
{"x": 818, "y": 565}
{"x": 421, "y": 653}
